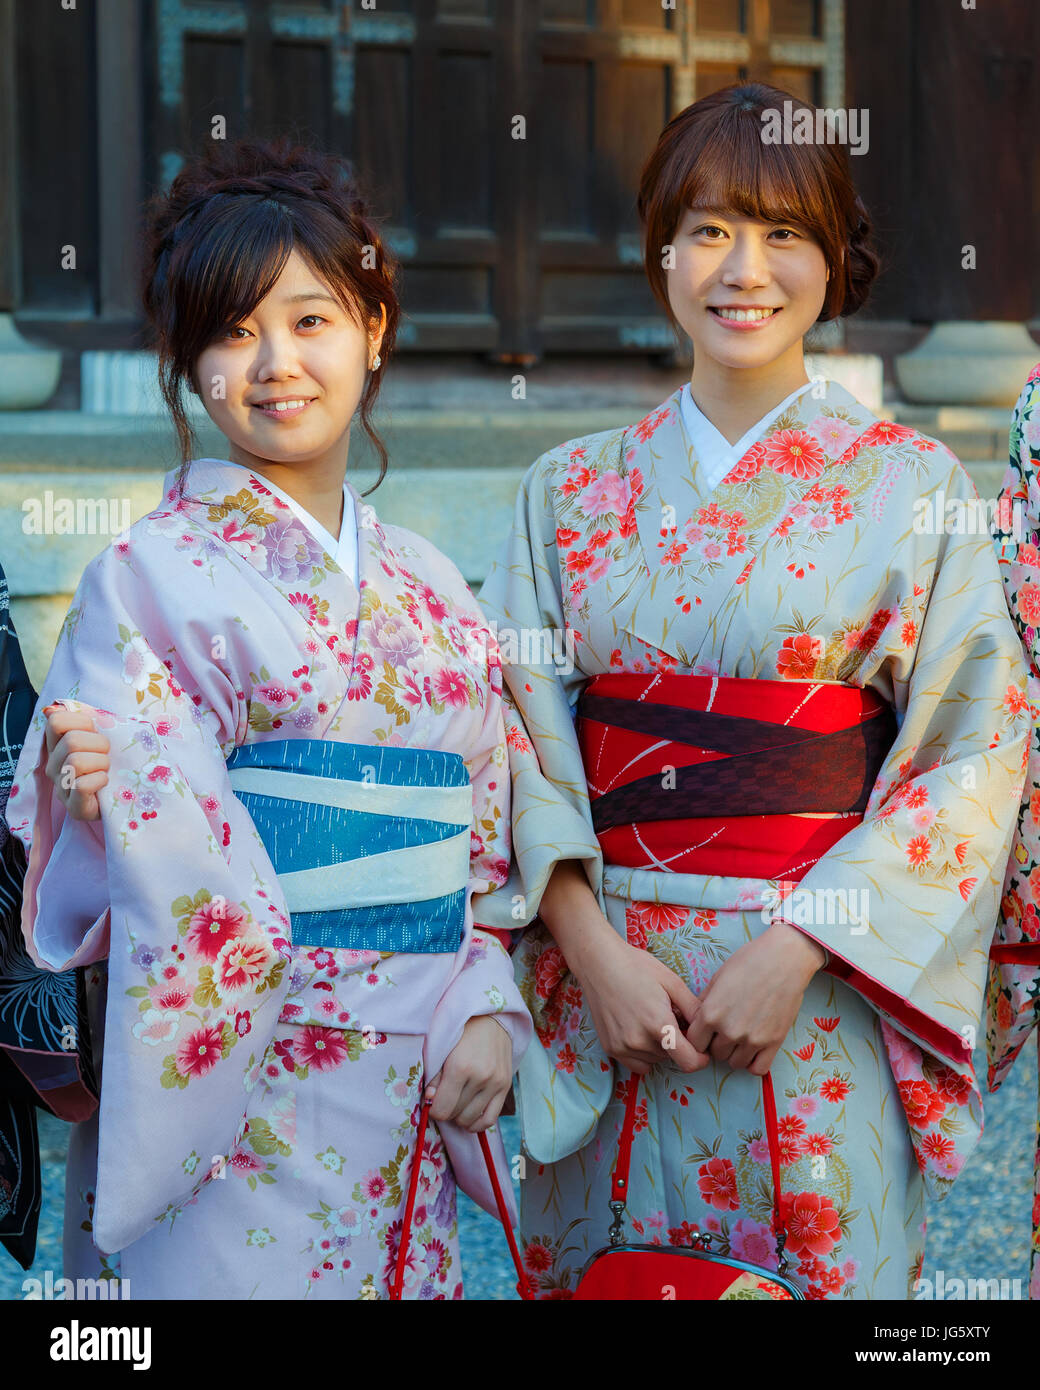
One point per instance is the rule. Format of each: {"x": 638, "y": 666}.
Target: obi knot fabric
{"x": 720, "y": 775}
{"x": 371, "y": 845}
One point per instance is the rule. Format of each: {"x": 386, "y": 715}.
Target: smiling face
{"x": 746, "y": 291}
{"x": 300, "y": 347}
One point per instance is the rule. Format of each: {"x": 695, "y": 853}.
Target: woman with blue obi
{"x": 265, "y": 778}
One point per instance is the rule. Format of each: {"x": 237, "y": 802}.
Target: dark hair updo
{"x": 217, "y": 241}
{"x": 713, "y": 154}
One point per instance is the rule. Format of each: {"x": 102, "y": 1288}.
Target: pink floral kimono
{"x": 260, "y": 1089}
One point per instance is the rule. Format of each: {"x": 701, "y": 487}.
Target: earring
{"x": 376, "y": 364}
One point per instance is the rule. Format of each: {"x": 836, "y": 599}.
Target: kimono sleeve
{"x": 551, "y": 819}
{"x": 172, "y": 884}
{"x": 1013, "y": 994}
{"x": 915, "y": 888}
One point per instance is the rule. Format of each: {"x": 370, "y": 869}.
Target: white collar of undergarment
{"x": 714, "y": 453}
{"x": 344, "y": 550}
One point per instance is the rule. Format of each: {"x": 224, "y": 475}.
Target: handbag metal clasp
{"x": 616, "y": 1233}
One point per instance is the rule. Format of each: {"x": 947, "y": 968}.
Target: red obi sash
{"x": 708, "y": 775}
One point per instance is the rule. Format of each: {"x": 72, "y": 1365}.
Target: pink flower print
{"x": 305, "y": 604}
{"x": 609, "y": 494}
{"x": 199, "y": 1053}
{"x": 599, "y": 568}
{"x": 394, "y": 636}
{"x": 359, "y": 685}
{"x": 374, "y": 1186}
{"x": 157, "y": 1026}
{"x": 170, "y": 994}
{"x": 751, "y": 1241}
{"x": 451, "y": 688}
{"x": 437, "y": 607}
{"x": 275, "y": 695}
{"x": 245, "y": 1164}
{"x": 833, "y": 435}
{"x": 805, "y": 1105}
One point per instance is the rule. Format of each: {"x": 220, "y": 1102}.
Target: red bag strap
{"x": 619, "y": 1182}
{"x": 523, "y": 1287}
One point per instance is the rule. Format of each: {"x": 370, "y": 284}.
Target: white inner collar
{"x": 714, "y": 453}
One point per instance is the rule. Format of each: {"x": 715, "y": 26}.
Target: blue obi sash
{"x": 371, "y": 845}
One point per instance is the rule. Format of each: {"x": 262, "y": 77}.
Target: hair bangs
{"x": 237, "y": 261}
{"x": 737, "y": 171}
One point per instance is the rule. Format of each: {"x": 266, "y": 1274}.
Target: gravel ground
{"x": 981, "y": 1230}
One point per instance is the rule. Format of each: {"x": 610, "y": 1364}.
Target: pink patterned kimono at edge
{"x": 258, "y": 1101}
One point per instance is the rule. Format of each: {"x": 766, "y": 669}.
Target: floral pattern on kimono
{"x": 813, "y": 560}
{"x": 215, "y": 621}
{"x": 1013, "y": 1001}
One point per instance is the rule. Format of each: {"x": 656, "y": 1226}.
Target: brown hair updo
{"x": 712, "y": 154}
{"x": 217, "y": 241}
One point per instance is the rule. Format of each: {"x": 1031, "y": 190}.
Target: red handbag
{"x": 523, "y": 1286}
{"x": 640, "y": 1272}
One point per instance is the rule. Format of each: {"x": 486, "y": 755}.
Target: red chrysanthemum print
{"x": 199, "y": 1053}
{"x": 919, "y": 850}
{"x": 658, "y": 917}
{"x": 212, "y": 926}
{"x": 937, "y": 1146}
{"x": 748, "y": 467}
{"x": 817, "y": 1144}
{"x": 812, "y": 1223}
{"x": 790, "y": 1149}
{"x": 923, "y": 1104}
{"x": 538, "y": 1256}
{"x": 834, "y": 1089}
{"x": 795, "y": 454}
{"x": 718, "y": 1184}
{"x": 886, "y": 432}
{"x": 324, "y": 1049}
{"x": 798, "y": 656}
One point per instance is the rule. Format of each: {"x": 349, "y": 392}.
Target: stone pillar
{"x": 971, "y": 144}
{"x": 28, "y": 374}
